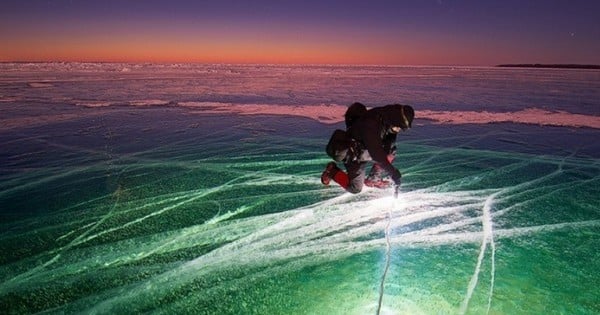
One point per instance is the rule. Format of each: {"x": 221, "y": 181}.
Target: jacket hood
{"x": 397, "y": 115}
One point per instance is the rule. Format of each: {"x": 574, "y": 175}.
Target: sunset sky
{"x": 418, "y": 32}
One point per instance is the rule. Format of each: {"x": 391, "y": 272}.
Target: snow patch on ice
{"x": 7, "y": 98}
{"x": 324, "y": 113}
{"x": 94, "y": 103}
{"x": 39, "y": 84}
{"x": 148, "y": 102}
{"x": 334, "y": 113}
{"x": 527, "y": 116}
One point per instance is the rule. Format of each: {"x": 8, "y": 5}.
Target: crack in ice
{"x": 387, "y": 261}
{"x": 487, "y": 237}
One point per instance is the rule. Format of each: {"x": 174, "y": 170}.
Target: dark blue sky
{"x": 384, "y": 32}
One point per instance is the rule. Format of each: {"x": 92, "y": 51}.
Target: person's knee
{"x": 354, "y": 189}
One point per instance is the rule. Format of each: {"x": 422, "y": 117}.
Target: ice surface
{"x": 195, "y": 189}
{"x": 442, "y": 94}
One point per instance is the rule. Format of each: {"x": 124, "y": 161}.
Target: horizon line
{"x": 242, "y": 63}
{"x": 501, "y": 65}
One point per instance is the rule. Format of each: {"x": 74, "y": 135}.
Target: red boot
{"x": 375, "y": 178}
{"x": 329, "y": 173}
{"x": 378, "y": 183}
{"x": 333, "y": 172}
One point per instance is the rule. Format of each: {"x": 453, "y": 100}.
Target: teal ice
{"x": 128, "y": 210}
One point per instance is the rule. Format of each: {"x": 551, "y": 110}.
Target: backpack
{"x": 353, "y": 113}
{"x": 341, "y": 146}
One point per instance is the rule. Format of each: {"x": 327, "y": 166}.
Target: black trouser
{"x": 356, "y": 175}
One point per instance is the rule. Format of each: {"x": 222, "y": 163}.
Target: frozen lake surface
{"x": 140, "y": 188}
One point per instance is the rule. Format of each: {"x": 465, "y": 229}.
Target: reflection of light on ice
{"x": 266, "y": 245}
{"x": 334, "y": 229}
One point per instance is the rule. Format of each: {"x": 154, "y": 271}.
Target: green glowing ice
{"x": 192, "y": 227}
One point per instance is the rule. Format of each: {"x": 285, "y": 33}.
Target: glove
{"x": 392, "y": 154}
{"x": 397, "y": 178}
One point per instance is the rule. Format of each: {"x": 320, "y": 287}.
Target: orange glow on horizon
{"x": 209, "y": 53}
{"x": 219, "y": 44}
{"x": 147, "y": 48}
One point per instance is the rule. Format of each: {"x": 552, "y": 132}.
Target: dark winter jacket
{"x": 373, "y": 131}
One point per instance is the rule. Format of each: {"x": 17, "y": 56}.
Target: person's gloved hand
{"x": 397, "y": 178}
{"x": 391, "y": 157}
{"x": 392, "y": 154}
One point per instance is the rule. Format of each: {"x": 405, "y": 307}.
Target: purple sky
{"x": 432, "y": 32}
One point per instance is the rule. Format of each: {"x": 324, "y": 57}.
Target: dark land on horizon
{"x": 558, "y": 66}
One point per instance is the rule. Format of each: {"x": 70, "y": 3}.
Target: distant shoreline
{"x": 555, "y": 66}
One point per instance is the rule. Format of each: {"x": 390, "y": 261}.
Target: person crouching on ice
{"x": 370, "y": 135}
